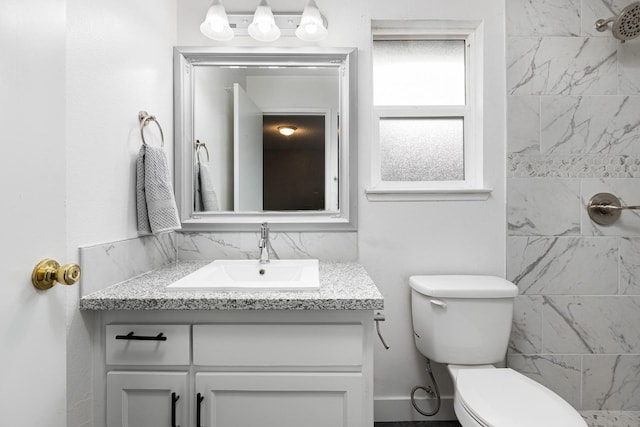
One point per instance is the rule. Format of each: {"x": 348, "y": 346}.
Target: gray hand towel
{"x": 197, "y": 193}
{"x": 156, "y": 205}
{"x": 208, "y": 194}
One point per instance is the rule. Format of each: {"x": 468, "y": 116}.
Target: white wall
{"x": 119, "y": 61}
{"x": 397, "y": 240}
{"x": 214, "y": 127}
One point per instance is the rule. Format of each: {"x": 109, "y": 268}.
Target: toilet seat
{"x": 504, "y": 398}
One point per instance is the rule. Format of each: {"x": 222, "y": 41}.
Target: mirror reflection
{"x": 266, "y": 138}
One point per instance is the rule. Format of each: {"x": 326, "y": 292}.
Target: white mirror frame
{"x": 184, "y": 59}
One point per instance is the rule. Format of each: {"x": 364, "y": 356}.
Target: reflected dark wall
{"x": 294, "y": 166}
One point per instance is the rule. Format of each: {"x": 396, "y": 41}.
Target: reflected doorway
{"x": 294, "y": 175}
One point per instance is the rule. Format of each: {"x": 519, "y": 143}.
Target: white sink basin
{"x": 220, "y": 275}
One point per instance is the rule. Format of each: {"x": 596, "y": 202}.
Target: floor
{"x": 612, "y": 418}
{"x": 593, "y": 418}
{"x": 419, "y": 424}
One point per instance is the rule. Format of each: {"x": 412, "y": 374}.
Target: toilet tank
{"x": 463, "y": 320}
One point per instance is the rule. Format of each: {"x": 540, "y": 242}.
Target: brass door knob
{"x": 47, "y": 272}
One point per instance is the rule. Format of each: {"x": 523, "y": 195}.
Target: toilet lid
{"x": 505, "y": 398}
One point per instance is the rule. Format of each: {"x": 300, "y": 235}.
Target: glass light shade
{"x": 264, "y": 28}
{"x": 216, "y": 25}
{"x": 287, "y": 130}
{"x": 311, "y": 26}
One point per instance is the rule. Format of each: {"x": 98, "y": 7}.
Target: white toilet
{"x": 465, "y": 322}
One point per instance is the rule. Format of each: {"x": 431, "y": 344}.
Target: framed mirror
{"x": 265, "y": 135}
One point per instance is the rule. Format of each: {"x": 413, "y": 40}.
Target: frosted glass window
{"x": 419, "y": 72}
{"x": 422, "y": 149}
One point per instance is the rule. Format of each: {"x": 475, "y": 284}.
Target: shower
{"x": 626, "y": 25}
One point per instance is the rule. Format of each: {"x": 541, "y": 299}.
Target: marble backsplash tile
{"x": 106, "y": 264}
{"x": 109, "y": 263}
{"x": 342, "y": 246}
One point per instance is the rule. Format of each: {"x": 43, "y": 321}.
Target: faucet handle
{"x": 264, "y": 243}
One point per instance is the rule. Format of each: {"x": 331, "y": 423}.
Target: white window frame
{"x": 472, "y": 187}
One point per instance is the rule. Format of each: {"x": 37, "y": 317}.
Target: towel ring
{"x": 200, "y": 145}
{"x": 145, "y": 118}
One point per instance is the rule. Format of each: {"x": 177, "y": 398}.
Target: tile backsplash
{"x": 106, "y": 264}
{"x": 338, "y": 246}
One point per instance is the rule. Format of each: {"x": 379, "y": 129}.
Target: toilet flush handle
{"x": 439, "y": 303}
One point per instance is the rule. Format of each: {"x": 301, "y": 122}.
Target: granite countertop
{"x": 343, "y": 286}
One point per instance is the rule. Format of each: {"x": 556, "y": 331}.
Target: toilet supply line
{"x": 435, "y": 391}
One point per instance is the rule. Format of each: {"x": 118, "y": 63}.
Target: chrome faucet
{"x": 264, "y": 243}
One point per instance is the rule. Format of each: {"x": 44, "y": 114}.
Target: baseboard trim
{"x": 400, "y": 409}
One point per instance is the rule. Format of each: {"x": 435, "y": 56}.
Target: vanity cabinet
{"x": 228, "y": 399}
{"x": 267, "y": 379}
{"x": 217, "y": 369}
{"x": 146, "y": 399}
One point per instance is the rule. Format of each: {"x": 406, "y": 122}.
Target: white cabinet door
{"x": 147, "y": 399}
{"x": 250, "y": 399}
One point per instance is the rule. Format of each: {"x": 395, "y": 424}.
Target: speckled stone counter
{"x": 343, "y": 286}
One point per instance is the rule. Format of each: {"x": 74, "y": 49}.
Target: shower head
{"x": 626, "y": 25}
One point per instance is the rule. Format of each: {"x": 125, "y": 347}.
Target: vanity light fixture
{"x": 312, "y": 27}
{"x": 287, "y": 130}
{"x": 264, "y": 25}
{"x": 264, "y": 28}
{"x": 216, "y": 24}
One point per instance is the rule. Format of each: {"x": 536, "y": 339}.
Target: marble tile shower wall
{"x": 573, "y": 131}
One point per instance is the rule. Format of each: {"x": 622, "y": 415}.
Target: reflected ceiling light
{"x": 264, "y": 28}
{"x": 216, "y": 24}
{"x": 312, "y": 27}
{"x": 287, "y": 130}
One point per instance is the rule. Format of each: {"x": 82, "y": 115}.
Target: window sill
{"x": 426, "y": 194}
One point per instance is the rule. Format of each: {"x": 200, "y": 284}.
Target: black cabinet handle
{"x": 130, "y": 336}
{"x": 199, "y": 399}
{"x": 174, "y": 399}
